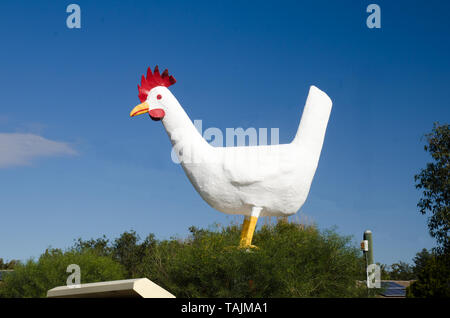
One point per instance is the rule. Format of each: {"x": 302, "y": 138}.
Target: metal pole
{"x": 368, "y": 237}
{"x": 369, "y": 254}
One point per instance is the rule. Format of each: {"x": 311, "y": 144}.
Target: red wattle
{"x": 156, "y": 114}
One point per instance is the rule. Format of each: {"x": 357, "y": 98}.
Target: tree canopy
{"x": 35, "y": 278}
{"x": 434, "y": 182}
{"x": 292, "y": 260}
{"x": 433, "y": 269}
{"x": 7, "y": 265}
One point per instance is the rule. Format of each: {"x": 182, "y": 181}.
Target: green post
{"x": 368, "y": 237}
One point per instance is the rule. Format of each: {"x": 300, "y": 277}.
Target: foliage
{"x": 100, "y": 246}
{"x": 130, "y": 254}
{"x": 8, "y": 265}
{"x": 125, "y": 250}
{"x": 405, "y": 271}
{"x": 35, "y": 278}
{"x": 420, "y": 261}
{"x": 385, "y": 273}
{"x": 433, "y": 278}
{"x": 433, "y": 269}
{"x": 435, "y": 182}
{"x": 401, "y": 271}
{"x": 291, "y": 261}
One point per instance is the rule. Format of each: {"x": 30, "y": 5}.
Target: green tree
{"x": 433, "y": 269}
{"x": 35, "y": 278}
{"x": 128, "y": 252}
{"x": 401, "y": 271}
{"x": 420, "y": 261}
{"x": 435, "y": 182}
{"x": 8, "y": 265}
{"x": 385, "y": 273}
{"x": 434, "y": 278}
{"x": 290, "y": 261}
{"x": 100, "y": 246}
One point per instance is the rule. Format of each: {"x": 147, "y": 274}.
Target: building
{"x": 394, "y": 288}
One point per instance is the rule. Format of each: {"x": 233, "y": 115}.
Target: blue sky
{"x": 73, "y": 164}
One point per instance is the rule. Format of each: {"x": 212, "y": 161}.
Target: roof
{"x": 140, "y": 288}
{"x": 394, "y": 288}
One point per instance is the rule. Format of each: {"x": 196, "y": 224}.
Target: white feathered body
{"x": 233, "y": 180}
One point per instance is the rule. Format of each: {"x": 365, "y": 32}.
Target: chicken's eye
{"x": 159, "y": 97}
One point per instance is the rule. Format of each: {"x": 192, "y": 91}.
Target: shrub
{"x": 433, "y": 278}
{"x": 291, "y": 261}
{"x": 35, "y": 278}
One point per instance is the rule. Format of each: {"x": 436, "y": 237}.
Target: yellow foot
{"x": 248, "y": 246}
{"x": 240, "y": 247}
{"x": 248, "y": 228}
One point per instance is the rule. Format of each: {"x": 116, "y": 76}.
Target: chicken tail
{"x": 311, "y": 131}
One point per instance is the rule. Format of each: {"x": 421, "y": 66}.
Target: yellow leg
{"x": 248, "y": 228}
{"x": 244, "y": 230}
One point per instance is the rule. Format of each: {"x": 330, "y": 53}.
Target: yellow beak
{"x": 140, "y": 109}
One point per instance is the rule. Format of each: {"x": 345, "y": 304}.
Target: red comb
{"x": 154, "y": 80}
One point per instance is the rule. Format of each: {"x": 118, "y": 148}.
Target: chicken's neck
{"x": 182, "y": 133}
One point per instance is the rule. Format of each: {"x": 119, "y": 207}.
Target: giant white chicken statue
{"x": 269, "y": 180}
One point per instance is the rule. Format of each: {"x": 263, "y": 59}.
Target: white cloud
{"x": 20, "y": 149}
